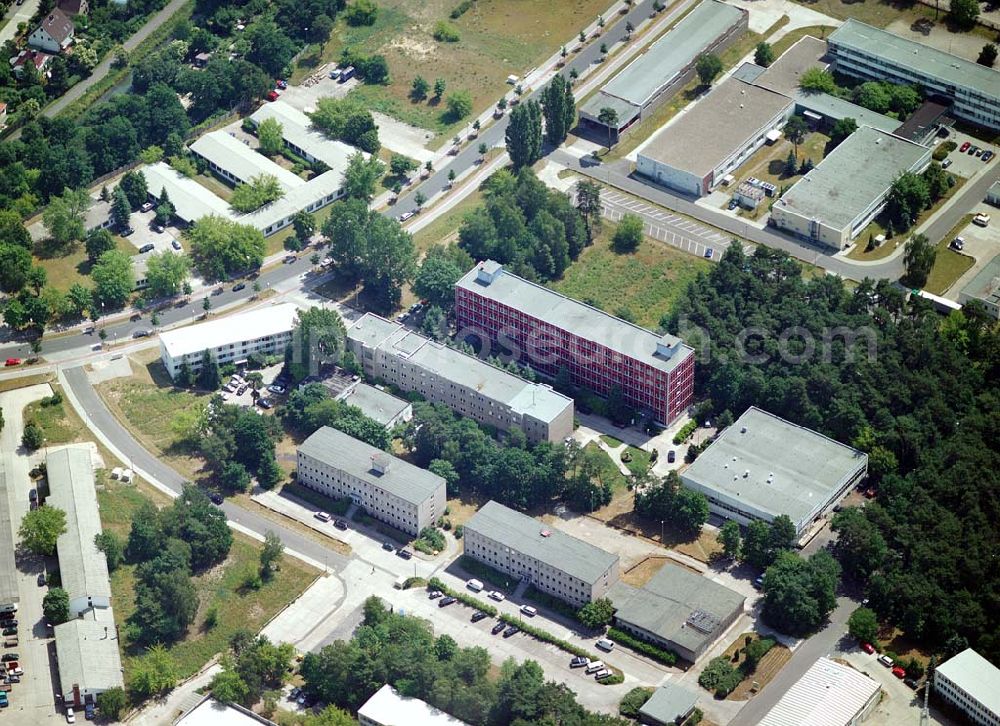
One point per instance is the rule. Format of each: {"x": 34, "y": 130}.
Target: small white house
{"x": 55, "y": 34}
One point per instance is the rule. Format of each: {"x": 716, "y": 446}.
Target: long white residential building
{"x": 971, "y": 684}
{"x": 83, "y": 567}
{"x": 265, "y": 331}
{"x": 300, "y": 136}
{"x": 466, "y": 384}
{"x": 388, "y": 488}
{"x": 553, "y": 561}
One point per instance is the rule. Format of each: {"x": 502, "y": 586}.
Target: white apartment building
{"x": 870, "y": 53}
{"x": 551, "y": 560}
{"x": 389, "y": 489}
{"x": 971, "y": 684}
{"x": 232, "y": 339}
{"x": 466, "y": 384}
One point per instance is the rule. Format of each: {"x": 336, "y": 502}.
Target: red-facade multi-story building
{"x": 550, "y": 332}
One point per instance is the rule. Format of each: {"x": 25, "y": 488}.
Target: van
{"x": 885, "y": 660}
{"x": 474, "y": 585}
{"x": 594, "y": 666}
{"x": 529, "y": 611}
{"x": 347, "y": 74}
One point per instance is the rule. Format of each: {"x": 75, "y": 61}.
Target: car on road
{"x": 868, "y": 648}
{"x": 899, "y": 672}
{"x": 446, "y": 601}
{"x": 479, "y": 615}
{"x": 606, "y": 645}
{"x": 708, "y": 253}
{"x": 340, "y": 524}
{"x": 496, "y": 595}
{"x": 964, "y": 147}
{"x": 434, "y": 594}
{"x": 322, "y": 516}
{"x": 148, "y": 247}
{"x": 404, "y": 554}
{"x": 529, "y": 611}
{"x": 511, "y": 630}
{"x": 239, "y": 286}
{"x": 388, "y": 546}
{"x": 13, "y": 362}
{"x": 885, "y": 660}
{"x": 981, "y": 220}
{"x": 497, "y": 628}
{"x": 215, "y": 498}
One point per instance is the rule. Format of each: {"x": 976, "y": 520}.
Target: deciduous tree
{"x": 40, "y": 528}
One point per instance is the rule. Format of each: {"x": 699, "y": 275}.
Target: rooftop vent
{"x": 743, "y": 430}
{"x": 380, "y": 464}
{"x": 746, "y": 473}
{"x": 546, "y": 533}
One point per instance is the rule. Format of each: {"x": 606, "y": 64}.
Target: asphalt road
{"x": 138, "y": 457}
{"x": 494, "y": 135}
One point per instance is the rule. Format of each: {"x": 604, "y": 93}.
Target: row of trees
{"x": 912, "y": 193}
{"x": 912, "y": 391}
{"x": 401, "y": 650}
{"x": 311, "y": 407}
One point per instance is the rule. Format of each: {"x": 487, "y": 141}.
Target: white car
{"x": 982, "y": 219}
{"x": 496, "y": 595}
{"x": 529, "y": 611}
{"x": 70, "y": 716}
{"x": 322, "y": 516}
{"x": 605, "y": 645}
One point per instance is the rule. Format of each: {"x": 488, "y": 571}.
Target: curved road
{"x": 99, "y": 417}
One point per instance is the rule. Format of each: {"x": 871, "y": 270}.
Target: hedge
{"x": 685, "y": 432}
{"x": 464, "y": 598}
{"x": 666, "y": 657}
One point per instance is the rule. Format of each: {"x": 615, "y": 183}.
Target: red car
{"x": 964, "y": 147}
{"x": 868, "y": 648}
{"x": 272, "y": 95}
{"x": 899, "y": 672}
{"x": 13, "y": 362}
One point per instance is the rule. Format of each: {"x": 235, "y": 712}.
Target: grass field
{"x": 69, "y": 265}
{"x": 444, "y": 229}
{"x": 498, "y": 38}
{"x": 218, "y": 588}
{"x": 58, "y": 426}
{"x": 149, "y": 406}
{"x": 767, "y": 668}
{"x": 949, "y": 265}
{"x": 638, "y": 460}
{"x": 645, "y": 283}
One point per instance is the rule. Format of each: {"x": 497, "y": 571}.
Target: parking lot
{"x": 245, "y": 398}
{"x": 144, "y": 234}
{"x": 965, "y": 164}
{"x": 899, "y": 704}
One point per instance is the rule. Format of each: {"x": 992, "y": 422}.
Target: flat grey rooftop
{"x": 462, "y": 369}
{"x": 944, "y": 67}
{"x": 985, "y": 285}
{"x": 715, "y": 127}
{"x": 375, "y": 403}
{"x": 677, "y": 605}
{"x": 784, "y": 74}
{"x": 837, "y": 108}
{"x": 855, "y": 174}
{"x": 575, "y": 317}
{"x": 665, "y": 59}
{"x": 668, "y": 703}
{"x": 88, "y": 655}
{"x": 976, "y": 676}
{"x": 541, "y": 542}
{"x": 83, "y": 567}
{"x": 791, "y": 468}
{"x": 346, "y": 453}
{"x": 8, "y": 569}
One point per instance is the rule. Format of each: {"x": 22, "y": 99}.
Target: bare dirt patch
{"x": 767, "y": 669}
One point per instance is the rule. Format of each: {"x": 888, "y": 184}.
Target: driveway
{"x": 981, "y": 243}
{"x": 33, "y": 698}
{"x": 15, "y": 15}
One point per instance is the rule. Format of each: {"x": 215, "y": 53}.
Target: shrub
{"x": 462, "y": 597}
{"x": 666, "y": 657}
{"x": 461, "y": 9}
{"x": 634, "y": 700}
{"x": 547, "y": 637}
{"x": 720, "y": 676}
{"x": 445, "y": 32}
{"x": 685, "y": 432}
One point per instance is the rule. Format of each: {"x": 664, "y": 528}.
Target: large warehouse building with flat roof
{"x": 669, "y": 63}
{"x": 833, "y": 203}
{"x": 553, "y": 561}
{"x": 677, "y": 610}
{"x": 828, "y": 694}
{"x": 869, "y": 53}
{"x": 694, "y": 153}
{"x": 763, "y": 466}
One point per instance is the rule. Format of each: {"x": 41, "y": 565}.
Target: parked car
{"x": 148, "y": 247}
{"x": 511, "y": 630}
{"x": 281, "y": 83}
{"x": 41, "y": 579}
{"x": 979, "y": 152}
{"x": 496, "y": 595}
{"x": 10, "y": 631}
{"x": 868, "y": 648}
{"x": 759, "y": 582}
{"x": 987, "y": 155}
{"x": 70, "y": 716}
{"x": 276, "y": 389}
{"x": 671, "y": 456}
{"x": 128, "y": 232}
{"x": 404, "y": 554}
{"x": 946, "y": 163}
{"x": 175, "y": 244}
{"x": 885, "y": 660}
{"x": 606, "y": 645}
{"x": 733, "y": 204}
{"x": 708, "y": 253}
{"x": 602, "y": 674}
{"x": 142, "y": 333}
{"x": 900, "y": 673}
{"x": 434, "y": 594}
{"x": 529, "y": 611}
{"x": 957, "y": 244}
{"x": 405, "y": 216}
{"x": 322, "y": 516}
{"x": 972, "y": 150}
{"x": 239, "y": 286}
{"x": 578, "y": 661}
{"x": 89, "y": 711}
{"x": 265, "y": 403}
{"x": 964, "y": 147}
{"x": 289, "y": 259}
{"x": 981, "y": 220}
{"x": 497, "y": 628}
{"x": 479, "y": 615}
{"x": 216, "y": 498}
{"x": 340, "y": 524}
{"x": 8, "y": 657}
{"x": 13, "y": 362}
{"x": 912, "y": 683}
{"x": 446, "y": 601}
{"x": 388, "y": 546}
{"x": 272, "y": 95}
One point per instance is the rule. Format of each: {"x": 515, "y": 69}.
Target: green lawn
{"x": 611, "y": 441}
{"x": 794, "y": 36}
{"x": 638, "y": 462}
{"x": 949, "y": 265}
{"x": 70, "y": 264}
{"x": 608, "y": 470}
{"x": 218, "y": 588}
{"x": 57, "y": 426}
{"x": 644, "y": 284}
{"x": 498, "y": 38}
{"x": 444, "y": 229}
